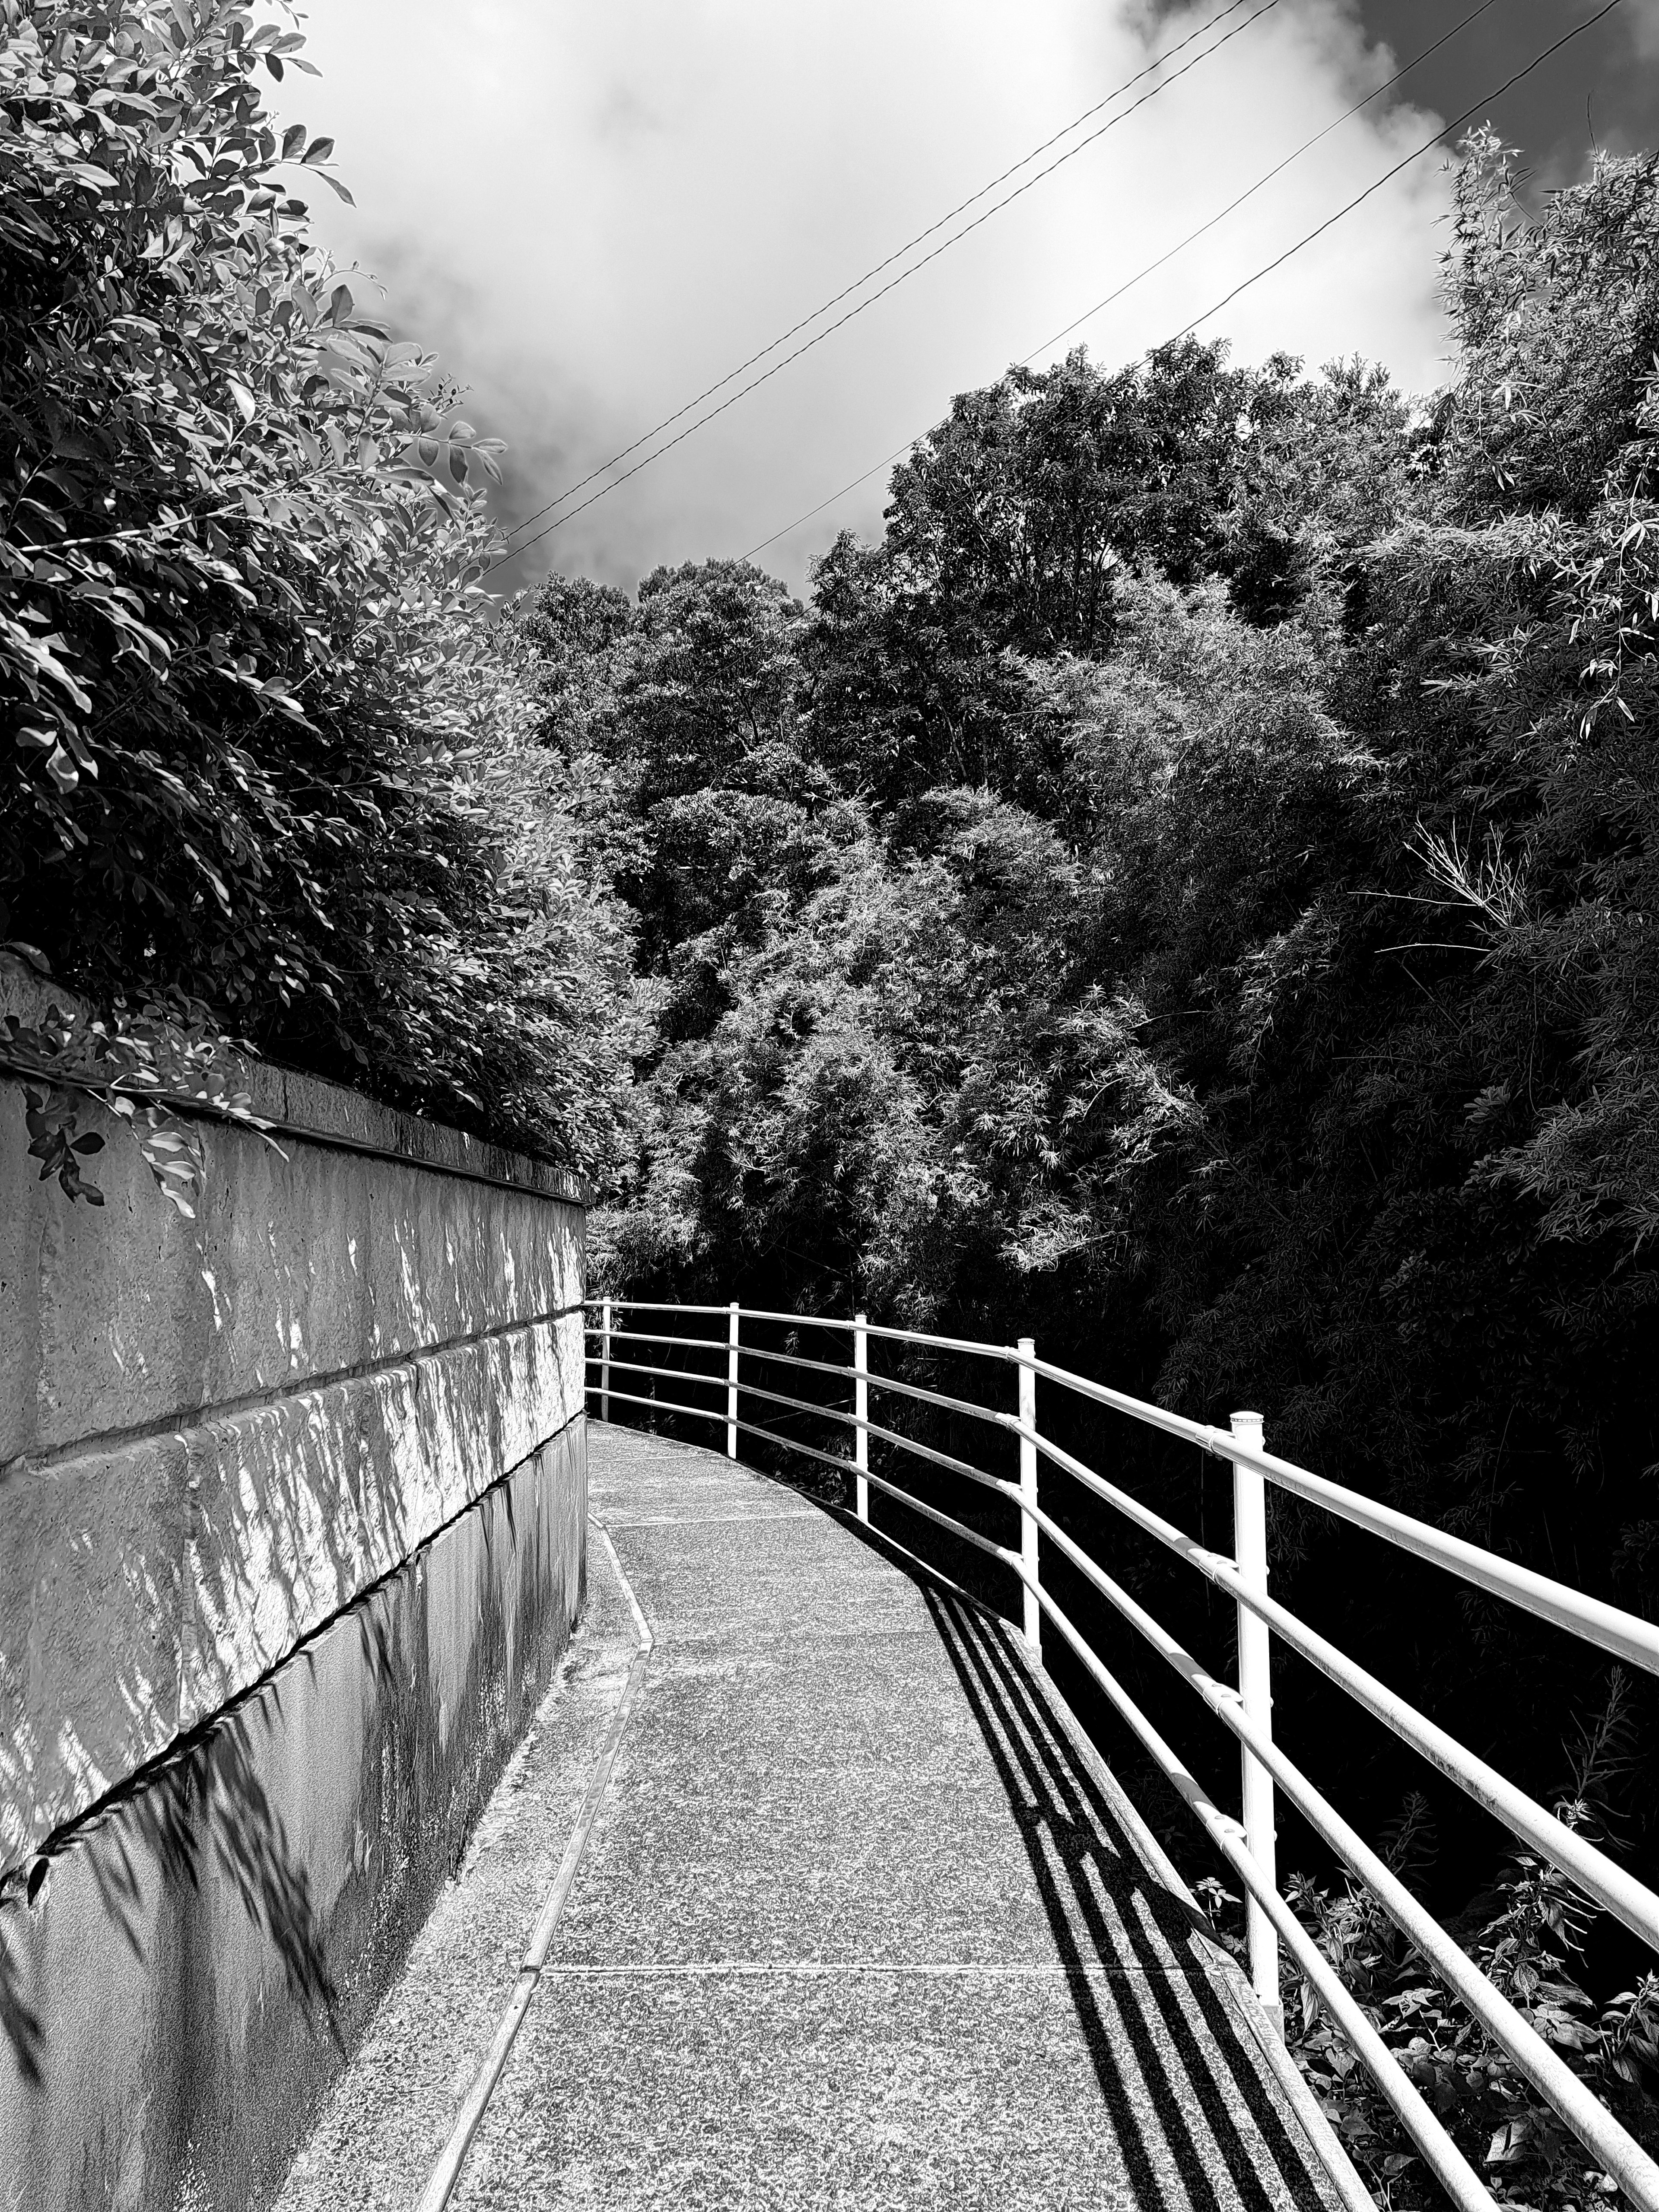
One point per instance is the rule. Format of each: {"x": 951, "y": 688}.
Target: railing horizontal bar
{"x": 663, "y": 1404}
{"x": 844, "y": 1369}
{"x": 958, "y": 1527}
{"x": 620, "y": 1340}
{"x": 878, "y": 1383}
{"x": 1440, "y": 2153}
{"x": 750, "y": 1428}
{"x": 802, "y": 1406}
{"x": 952, "y": 1465}
{"x": 1120, "y": 1401}
{"x": 939, "y": 1398}
{"x": 671, "y": 1374}
{"x": 1599, "y": 1876}
{"x": 970, "y": 1346}
{"x": 1618, "y": 2151}
{"x": 911, "y": 1444}
{"x": 946, "y": 1460}
{"x": 1625, "y": 1635}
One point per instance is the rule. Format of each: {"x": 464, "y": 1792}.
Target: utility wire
{"x": 1264, "y": 8}
{"x": 858, "y": 282}
{"x": 1268, "y": 267}
{"x": 1405, "y": 163}
{"x": 1152, "y": 267}
{"x": 1265, "y": 178}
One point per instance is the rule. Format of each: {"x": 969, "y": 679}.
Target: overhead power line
{"x": 1262, "y": 8}
{"x": 1405, "y": 163}
{"x": 898, "y": 254}
{"x": 1265, "y": 178}
{"x": 1268, "y": 268}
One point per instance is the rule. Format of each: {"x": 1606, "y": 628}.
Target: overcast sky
{"x": 594, "y": 211}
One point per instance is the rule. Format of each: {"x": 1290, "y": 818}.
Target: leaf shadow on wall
{"x": 197, "y": 1823}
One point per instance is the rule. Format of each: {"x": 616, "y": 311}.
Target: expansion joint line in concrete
{"x": 713, "y": 1520}
{"x": 190, "y": 1738}
{"x": 189, "y": 1420}
{"x": 446, "y": 2173}
{"x": 990, "y": 1970}
{"x": 569, "y": 1190}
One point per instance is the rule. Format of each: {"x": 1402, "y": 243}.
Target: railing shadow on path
{"x": 1080, "y": 1856}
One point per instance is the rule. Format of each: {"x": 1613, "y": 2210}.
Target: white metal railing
{"x": 1246, "y": 1709}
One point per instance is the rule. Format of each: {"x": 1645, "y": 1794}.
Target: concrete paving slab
{"x": 651, "y": 1485}
{"x": 820, "y": 1856}
{"x": 773, "y": 1708}
{"x": 763, "y": 1578}
{"x": 867, "y": 2090}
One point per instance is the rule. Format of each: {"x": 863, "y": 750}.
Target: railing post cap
{"x": 1243, "y": 1422}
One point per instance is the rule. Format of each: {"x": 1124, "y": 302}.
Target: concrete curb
{"x": 446, "y": 2173}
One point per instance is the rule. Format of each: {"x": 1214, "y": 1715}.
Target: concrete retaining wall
{"x": 292, "y": 1533}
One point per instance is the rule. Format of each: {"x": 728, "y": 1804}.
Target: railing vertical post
{"x": 604, "y": 1361}
{"x": 731, "y": 1383}
{"x": 1028, "y": 1489}
{"x": 861, "y": 1412}
{"x": 1255, "y": 1693}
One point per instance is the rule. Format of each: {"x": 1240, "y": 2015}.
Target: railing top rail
{"x": 652, "y": 1305}
{"x": 667, "y": 1336}
{"x": 1625, "y": 1635}
{"x": 971, "y": 1345}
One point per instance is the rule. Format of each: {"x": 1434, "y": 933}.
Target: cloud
{"x": 595, "y": 212}
{"x": 1645, "y": 27}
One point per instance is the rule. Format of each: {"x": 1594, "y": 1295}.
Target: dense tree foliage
{"x": 262, "y": 754}
{"x": 1185, "y": 892}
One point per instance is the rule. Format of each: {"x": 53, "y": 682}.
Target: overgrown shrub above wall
{"x": 263, "y": 753}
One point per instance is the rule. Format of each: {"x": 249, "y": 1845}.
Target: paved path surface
{"x": 856, "y": 1925}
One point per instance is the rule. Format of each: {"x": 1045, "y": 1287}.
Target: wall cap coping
{"x": 312, "y": 1111}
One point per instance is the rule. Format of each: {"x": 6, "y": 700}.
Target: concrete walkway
{"x": 856, "y": 1925}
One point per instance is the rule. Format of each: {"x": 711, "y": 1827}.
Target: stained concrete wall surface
{"x": 292, "y": 1529}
